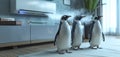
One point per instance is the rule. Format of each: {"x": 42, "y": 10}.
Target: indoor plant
{"x": 91, "y": 6}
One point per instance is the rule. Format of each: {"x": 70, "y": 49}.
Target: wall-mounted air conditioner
{"x": 32, "y": 7}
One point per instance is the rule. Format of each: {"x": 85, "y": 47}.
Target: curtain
{"x": 111, "y": 17}
{"x": 118, "y": 18}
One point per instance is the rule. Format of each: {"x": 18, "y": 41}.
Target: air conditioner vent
{"x": 32, "y": 7}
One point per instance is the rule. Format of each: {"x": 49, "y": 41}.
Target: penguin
{"x": 96, "y": 34}
{"x": 63, "y": 36}
{"x": 77, "y": 33}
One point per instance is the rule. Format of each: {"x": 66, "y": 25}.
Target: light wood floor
{"x": 24, "y": 50}
{"x": 30, "y": 49}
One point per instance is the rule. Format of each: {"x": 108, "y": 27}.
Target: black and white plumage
{"x": 96, "y": 33}
{"x": 77, "y": 32}
{"x": 63, "y": 36}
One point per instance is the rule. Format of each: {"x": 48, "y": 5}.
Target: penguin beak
{"x": 65, "y": 17}
{"x": 82, "y": 16}
{"x": 68, "y": 16}
{"x": 100, "y": 16}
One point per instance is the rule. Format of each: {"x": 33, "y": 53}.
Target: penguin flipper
{"x": 103, "y": 36}
{"x": 57, "y": 32}
{"x": 72, "y": 31}
{"x": 91, "y": 29}
{"x": 55, "y": 39}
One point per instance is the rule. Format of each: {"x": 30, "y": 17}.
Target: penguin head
{"x": 65, "y": 17}
{"x": 98, "y": 17}
{"x": 79, "y": 17}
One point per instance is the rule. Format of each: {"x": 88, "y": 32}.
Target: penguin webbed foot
{"x": 99, "y": 47}
{"x": 95, "y": 47}
{"x": 75, "y": 48}
{"x": 68, "y": 51}
{"x": 92, "y": 47}
{"x": 80, "y": 48}
{"x": 61, "y": 52}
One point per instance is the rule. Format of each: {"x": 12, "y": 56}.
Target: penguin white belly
{"x": 77, "y": 39}
{"x": 64, "y": 38}
{"x": 96, "y": 40}
{"x": 82, "y": 29}
{"x": 96, "y": 34}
